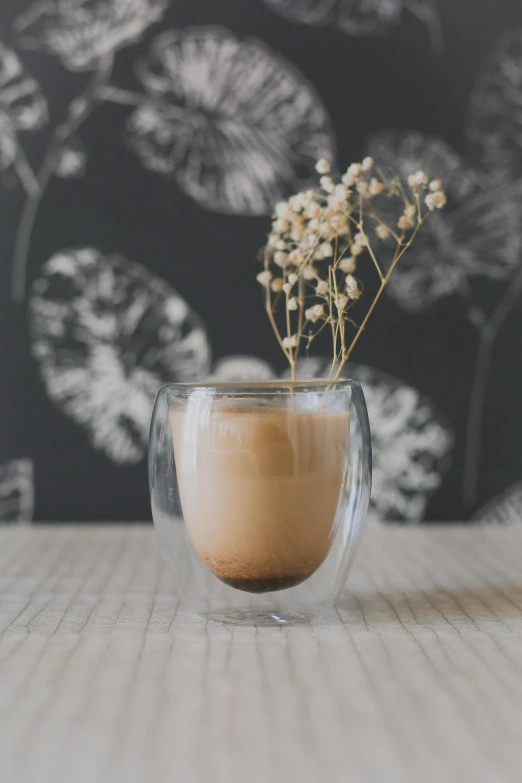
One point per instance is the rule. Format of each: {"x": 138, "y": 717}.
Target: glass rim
{"x": 260, "y": 385}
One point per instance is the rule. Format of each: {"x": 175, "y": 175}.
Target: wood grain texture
{"x": 417, "y": 677}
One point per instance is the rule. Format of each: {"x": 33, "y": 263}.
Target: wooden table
{"x": 418, "y": 677}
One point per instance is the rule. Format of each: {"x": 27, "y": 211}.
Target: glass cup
{"x": 259, "y": 492}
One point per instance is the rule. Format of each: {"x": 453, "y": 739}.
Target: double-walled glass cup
{"x": 259, "y": 493}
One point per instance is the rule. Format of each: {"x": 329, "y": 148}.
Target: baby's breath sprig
{"x": 321, "y": 237}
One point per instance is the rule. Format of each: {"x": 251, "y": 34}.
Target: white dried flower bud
{"x": 376, "y": 187}
{"x": 410, "y": 210}
{"x": 311, "y": 240}
{"x": 264, "y": 277}
{"x": 287, "y": 288}
{"x": 382, "y": 231}
{"x": 341, "y": 192}
{"x": 352, "y": 288}
{"x": 353, "y": 171}
{"x": 292, "y": 303}
{"x": 306, "y": 198}
{"x": 297, "y": 201}
{"x": 282, "y": 209}
{"x": 334, "y": 204}
{"x": 363, "y": 188}
{"x": 313, "y": 210}
{"x": 296, "y": 257}
{"x": 290, "y": 342}
{"x": 343, "y": 227}
{"x": 280, "y": 258}
{"x": 309, "y": 272}
{"x": 347, "y": 264}
{"x": 281, "y": 245}
{"x": 356, "y": 249}
{"x": 417, "y": 180}
{"x": 321, "y": 288}
{"x": 322, "y": 166}
{"x": 297, "y": 231}
{"x": 405, "y": 223}
{"x": 367, "y": 164}
{"x": 327, "y": 250}
{"x": 360, "y": 238}
{"x": 341, "y": 301}
{"x": 280, "y": 225}
{"x": 314, "y": 224}
{"x": 277, "y": 284}
{"x": 314, "y": 313}
{"x": 435, "y": 184}
{"x": 327, "y": 184}
{"x": 327, "y": 231}
{"x": 436, "y": 200}
{"x": 292, "y": 278}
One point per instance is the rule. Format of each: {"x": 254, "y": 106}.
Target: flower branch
{"x": 320, "y": 238}
{"x": 118, "y": 95}
{"x": 25, "y": 173}
{"x": 35, "y": 184}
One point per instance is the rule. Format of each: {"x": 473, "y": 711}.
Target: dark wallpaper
{"x": 143, "y": 145}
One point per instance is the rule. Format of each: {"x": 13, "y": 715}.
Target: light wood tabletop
{"x": 105, "y": 679}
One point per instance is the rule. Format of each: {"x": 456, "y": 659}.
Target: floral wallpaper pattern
{"x": 83, "y": 34}
{"x": 22, "y": 108}
{"x": 360, "y": 17}
{"x": 106, "y": 335}
{"x": 234, "y": 124}
{"x": 142, "y": 147}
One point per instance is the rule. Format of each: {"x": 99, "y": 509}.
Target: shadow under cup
{"x": 272, "y": 484}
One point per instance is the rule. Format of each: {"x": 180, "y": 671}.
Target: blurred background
{"x": 143, "y": 144}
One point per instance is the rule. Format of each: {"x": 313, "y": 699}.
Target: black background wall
{"x": 142, "y": 145}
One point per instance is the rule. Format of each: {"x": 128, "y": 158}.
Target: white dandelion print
{"x": 355, "y": 17}
{"x": 495, "y": 116}
{"x": 411, "y": 445}
{"x": 234, "y": 123}
{"x": 411, "y": 442}
{"x": 23, "y": 108}
{"x": 84, "y": 32}
{"x": 106, "y": 334}
{"x": 360, "y": 17}
{"x": 16, "y": 491}
{"x": 506, "y": 509}
{"x": 476, "y": 235}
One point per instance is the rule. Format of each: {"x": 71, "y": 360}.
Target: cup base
{"x": 263, "y": 617}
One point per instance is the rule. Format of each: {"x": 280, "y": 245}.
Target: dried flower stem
{"x": 268, "y": 307}
{"x": 384, "y": 282}
{"x": 314, "y": 229}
